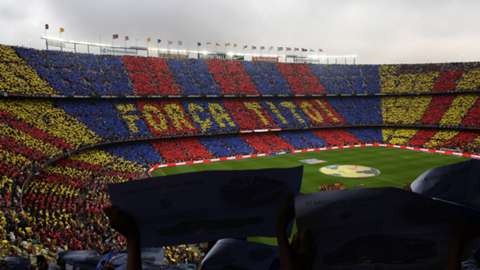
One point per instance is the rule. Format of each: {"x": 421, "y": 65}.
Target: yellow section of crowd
{"x": 440, "y": 138}
{"x": 17, "y": 77}
{"x": 104, "y": 159}
{"x": 470, "y": 80}
{"x": 43, "y": 115}
{"x": 393, "y": 82}
{"x": 404, "y": 110}
{"x": 398, "y": 136}
{"x": 457, "y": 110}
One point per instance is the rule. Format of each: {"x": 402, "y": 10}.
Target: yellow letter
{"x": 205, "y": 124}
{"x": 220, "y": 115}
{"x": 154, "y": 117}
{"x": 130, "y": 118}
{"x": 255, "y": 106}
{"x": 177, "y": 116}
{"x": 277, "y": 112}
{"x": 327, "y": 111}
{"x": 311, "y": 112}
{"x": 293, "y": 109}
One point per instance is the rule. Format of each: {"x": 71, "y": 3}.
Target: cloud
{"x": 378, "y": 31}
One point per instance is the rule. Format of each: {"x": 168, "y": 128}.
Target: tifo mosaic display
{"x": 27, "y": 71}
{"x": 57, "y": 154}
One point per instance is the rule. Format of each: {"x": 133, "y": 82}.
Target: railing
{"x": 233, "y": 53}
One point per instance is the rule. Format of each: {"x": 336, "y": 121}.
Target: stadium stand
{"x": 150, "y": 76}
{"x": 267, "y": 78}
{"x": 301, "y": 79}
{"x": 231, "y": 76}
{"x": 193, "y": 76}
{"x": 63, "y": 137}
{"x": 343, "y": 79}
{"x": 79, "y": 74}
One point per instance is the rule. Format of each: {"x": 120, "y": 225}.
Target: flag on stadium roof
{"x": 320, "y": 50}
{"x": 245, "y": 46}
{"x": 149, "y": 39}
{"x": 262, "y": 47}
{"x": 227, "y": 44}
{"x": 235, "y": 45}
{"x": 304, "y": 50}
{"x": 254, "y": 47}
{"x": 47, "y": 26}
{"x": 209, "y": 43}
{"x": 180, "y": 43}
{"x": 288, "y": 48}
{"x": 61, "y": 29}
{"x": 170, "y": 42}
{"x": 297, "y": 49}
{"x": 279, "y": 48}
{"x": 127, "y": 38}
{"x": 199, "y": 44}
{"x": 217, "y": 44}
{"x": 312, "y": 50}
{"x": 115, "y": 36}
{"x": 159, "y": 40}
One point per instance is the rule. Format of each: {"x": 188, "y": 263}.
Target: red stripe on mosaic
{"x": 301, "y": 79}
{"x": 447, "y": 81}
{"x": 421, "y": 137}
{"x": 472, "y": 118}
{"x": 336, "y": 137}
{"x": 267, "y": 143}
{"x": 231, "y": 76}
{"x": 12, "y": 145}
{"x": 182, "y": 149}
{"x": 34, "y": 131}
{"x": 150, "y": 76}
{"x": 438, "y": 106}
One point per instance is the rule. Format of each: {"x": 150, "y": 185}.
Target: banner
{"x": 386, "y": 228}
{"x": 206, "y": 206}
{"x": 240, "y": 254}
{"x": 457, "y": 183}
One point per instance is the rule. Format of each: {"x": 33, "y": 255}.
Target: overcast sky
{"x": 378, "y": 31}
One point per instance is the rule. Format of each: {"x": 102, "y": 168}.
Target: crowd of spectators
{"x": 150, "y": 76}
{"x": 425, "y": 78}
{"x": 231, "y": 77}
{"x": 433, "y": 138}
{"x": 51, "y": 197}
{"x": 301, "y": 79}
{"x": 35, "y": 72}
{"x": 348, "y": 79}
{"x": 79, "y": 74}
{"x": 443, "y": 111}
{"x": 193, "y": 77}
{"x": 103, "y": 120}
{"x": 17, "y": 77}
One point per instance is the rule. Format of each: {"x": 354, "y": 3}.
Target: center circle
{"x": 350, "y": 171}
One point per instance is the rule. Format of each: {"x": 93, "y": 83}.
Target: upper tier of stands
{"x": 33, "y": 72}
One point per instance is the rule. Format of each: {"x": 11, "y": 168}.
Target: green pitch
{"x": 398, "y": 167}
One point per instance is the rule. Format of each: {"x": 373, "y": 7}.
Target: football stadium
{"x": 74, "y": 123}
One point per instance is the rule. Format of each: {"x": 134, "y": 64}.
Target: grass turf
{"x": 398, "y": 167}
